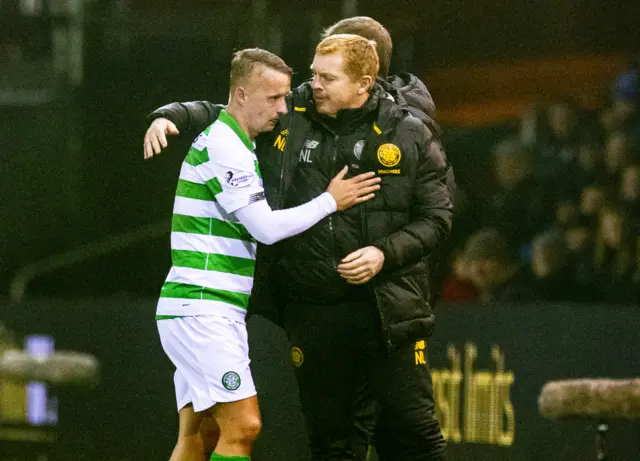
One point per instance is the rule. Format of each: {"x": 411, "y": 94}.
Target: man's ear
{"x": 240, "y": 95}
{"x": 366, "y": 83}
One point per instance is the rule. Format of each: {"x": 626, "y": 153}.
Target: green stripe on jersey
{"x": 197, "y": 157}
{"x": 169, "y": 317}
{"x": 258, "y": 172}
{"x": 213, "y": 262}
{"x": 210, "y": 226}
{"x": 194, "y": 190}
{"x": 214, "y": 186}
{"x": 181, "y": 290}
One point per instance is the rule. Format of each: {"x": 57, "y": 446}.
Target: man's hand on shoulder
{"x": 362, "y": 265}
{"x": 156, "y": 137}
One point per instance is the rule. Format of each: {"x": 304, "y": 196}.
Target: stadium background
{"x": 76, "y": 81}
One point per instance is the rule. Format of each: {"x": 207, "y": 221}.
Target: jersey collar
{"x": 226, "y": 118}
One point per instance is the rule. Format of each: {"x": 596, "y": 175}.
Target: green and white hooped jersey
{"x": 213, "y": 255}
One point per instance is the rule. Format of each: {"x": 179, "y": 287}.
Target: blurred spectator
{"x": 579, "y": 241}
{"x": 617, "y": 155}
{"x": 532, "y": 127}
{"x": 578, "y": 236}
{"x": 630, "y": 193}
{"x": 517, "y": 207}
{"x": 614, "y": 259}
{"x": 624, "y": 113}
{"x": 457, "y": 287}
{"x": 592, "y": 199}
{"x": 553, "y": 280}
{"x": 493, "y": 271}
{"x": 465, "y": 218}
{"x": 566, "y": 213}
{"x": 588, "y": 166}
{"x": 558, "y": 149}
{"x": 636, "y": 275}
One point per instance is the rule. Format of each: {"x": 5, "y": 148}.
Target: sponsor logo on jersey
{"x": 239, "y": 179}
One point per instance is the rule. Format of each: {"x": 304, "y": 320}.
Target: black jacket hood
{"x": 409, "y": 91}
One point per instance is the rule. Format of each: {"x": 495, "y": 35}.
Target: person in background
{"x": 617, "y": 155}
{"x": 566, "y": 213}
{"x": 515, "y": 186}
{"x": 588, "y": 165}
{"x": 630, "y": 193}
{"x": 624, "y": 112}
{"x": 558, "y": 151}
{"x": 457, "y": 287}
{"x": 592, "y": 199}
{"x": 553, "y": 280}
{"x": 494, "y": 272}
{"x": 614, "y": 256}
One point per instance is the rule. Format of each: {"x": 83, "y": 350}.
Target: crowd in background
{"x": 562, "y": 219}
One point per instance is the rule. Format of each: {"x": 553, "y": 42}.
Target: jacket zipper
{"x": 383, "y": 323}
{"x": 281, "y": 190}
{"x": 385, "y": 329}
{"x": 333, "y": 172}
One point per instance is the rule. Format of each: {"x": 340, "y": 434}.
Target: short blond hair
{"x": 359, "y": 54}
{"x": 245, "y": 61}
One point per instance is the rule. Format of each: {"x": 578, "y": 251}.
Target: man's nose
{"x": 315, "y": 84}
{"x": 282, "y": 107}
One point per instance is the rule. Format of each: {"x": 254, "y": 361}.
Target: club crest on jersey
{"x": 238, "y": 179}
{"x": 231, "y": 380}
{"x": 357, "y": 149}
{"x": 389, "y": 155}
{"x": 297, "y": 357}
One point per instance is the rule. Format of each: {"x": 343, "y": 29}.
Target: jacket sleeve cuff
{"x": 389, "y": 258}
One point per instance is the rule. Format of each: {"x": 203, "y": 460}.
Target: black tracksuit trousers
{"x": 351, "y": 387}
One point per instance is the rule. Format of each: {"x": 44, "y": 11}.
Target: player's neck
{"x": 237, "y": 113}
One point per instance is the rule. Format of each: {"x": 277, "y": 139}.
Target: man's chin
{"x": 323, "y": 108}
{"x": 269, "y": 126}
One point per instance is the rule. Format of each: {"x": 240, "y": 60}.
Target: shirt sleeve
{"x": 232, "y": 175}
{"x": 269, "y": 226}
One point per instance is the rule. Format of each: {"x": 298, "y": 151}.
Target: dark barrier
{"x": 489, "y": 365}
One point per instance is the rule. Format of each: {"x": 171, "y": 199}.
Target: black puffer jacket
{"x": 409, "y": 218}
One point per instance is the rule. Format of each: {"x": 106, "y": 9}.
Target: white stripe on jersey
{"x": 206, "y": 171}
{"x": 211, "y": 279}
{"x": 190, "y": 173}
{"x": 213, "y": 244}
{"x": 200, "y": 209}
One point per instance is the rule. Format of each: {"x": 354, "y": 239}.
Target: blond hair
{"x": 244, "y": 61}
{"x": 359, "y": 54}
